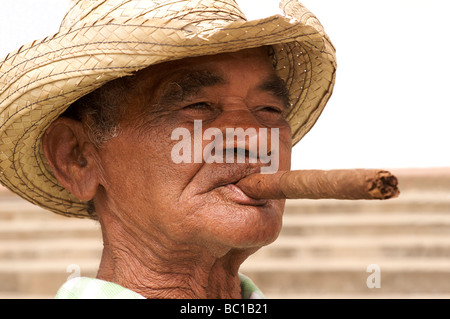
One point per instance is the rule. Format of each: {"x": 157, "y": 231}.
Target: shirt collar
{"x": 92, "y": 288}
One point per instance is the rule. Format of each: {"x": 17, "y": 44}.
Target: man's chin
{"x": 245, "y": 226}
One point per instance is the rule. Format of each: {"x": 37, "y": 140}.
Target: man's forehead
{"x": 178, "y": 68}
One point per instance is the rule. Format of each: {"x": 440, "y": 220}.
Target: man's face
{"x": 196, "y": 203}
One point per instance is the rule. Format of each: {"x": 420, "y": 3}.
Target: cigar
{"x": 321, "y": 184}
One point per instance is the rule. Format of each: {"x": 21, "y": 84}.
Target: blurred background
{"x": 390, "y": 109}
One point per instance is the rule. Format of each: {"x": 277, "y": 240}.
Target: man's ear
{"x": 73, "y": 158}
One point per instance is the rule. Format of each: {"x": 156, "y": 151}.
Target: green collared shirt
{"x": 92, "y": 288}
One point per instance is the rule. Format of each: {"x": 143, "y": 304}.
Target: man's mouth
{"x": 228, "y": 176}
{"x": 234, "y": 193}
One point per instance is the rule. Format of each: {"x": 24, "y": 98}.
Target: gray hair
{"x": 102, "y": 110}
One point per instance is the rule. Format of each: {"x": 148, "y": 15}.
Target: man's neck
{"x": 154, "y": 270}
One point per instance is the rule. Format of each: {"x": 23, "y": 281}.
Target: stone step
{"x": 47, "y": 249}
{"x": 282, "y": 276}
{"x": 368, "y": 295}
{"x": 12, "y": 209}
{"x": 342, "y": 277}
{"x": 275, "y": 295}
{"x": 390, "y": 246}
{"x": 395, "y": 247}
{"x": 326, "y": 224}
{"x": 408, "y": 204}
{"x": 323, "y": 250}
{"x": 42, "y": 277}
{"x": 431, "y": 179}
{"x": 15, "y": 208}
{"x": 6, "y": 193}
{"x": 74, "y": 228}
{"x": 18, "y": 295}
{"x": 330, "y": 225}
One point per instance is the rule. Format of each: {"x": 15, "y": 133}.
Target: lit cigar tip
{"x": 384, "y": 186}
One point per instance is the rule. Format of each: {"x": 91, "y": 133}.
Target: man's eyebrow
{"x": 277, "y": 87}
{"x": 188, "y": 84}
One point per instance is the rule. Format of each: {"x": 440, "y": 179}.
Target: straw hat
{"x": 101, "y": 40}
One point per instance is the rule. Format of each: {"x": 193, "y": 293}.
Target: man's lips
{"x": 234, "y": 193}
{"x": 223, "y": 179}
{"x": 212, "y": 176}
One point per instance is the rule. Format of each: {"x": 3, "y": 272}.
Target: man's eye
{"x": 198, "y": 106}
{"x": 271, "y": 109}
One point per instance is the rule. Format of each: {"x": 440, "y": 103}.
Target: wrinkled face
{"x": 196, "y": 202}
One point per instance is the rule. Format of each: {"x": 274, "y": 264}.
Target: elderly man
{"x": 88, "y": 119}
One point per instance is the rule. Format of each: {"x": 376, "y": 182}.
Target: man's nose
{"x": 244, "y": 134}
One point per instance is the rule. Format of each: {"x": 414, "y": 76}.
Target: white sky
{"x": 390, "y": 107}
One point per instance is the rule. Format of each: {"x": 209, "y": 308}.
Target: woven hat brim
{"x": 39, "y": 81}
